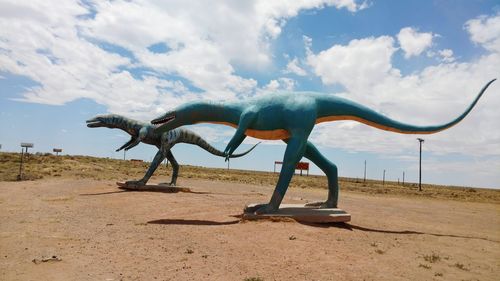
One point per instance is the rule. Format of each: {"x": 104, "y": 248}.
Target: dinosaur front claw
{"x": 228, "y": 152}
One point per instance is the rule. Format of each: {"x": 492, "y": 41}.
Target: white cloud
{"x": 293, "y": 67}
{"x": 413, "y": 42}
{"x": 282, "y": 83}
{"x": 434, "y": 95}
{"x": 212, "y": 134}
{"x": 485, "y": 31}
{"x": 57, "y": 45}
{"x": 358, "y": 65}
{"x": 446, "y": 55}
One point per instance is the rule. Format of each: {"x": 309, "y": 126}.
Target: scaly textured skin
{"x": 143, "y": 132}
{"x": 291, "y": 118}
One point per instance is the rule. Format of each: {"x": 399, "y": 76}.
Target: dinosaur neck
{"x": 132, "y": 127}
{"x": 212, "y": 112}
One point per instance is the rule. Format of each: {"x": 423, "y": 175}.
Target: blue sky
{"x": 420, "y": 62}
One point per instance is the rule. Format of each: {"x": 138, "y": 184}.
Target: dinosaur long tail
{"x": 193, "y": 138}
{"x": 356, "y": 112}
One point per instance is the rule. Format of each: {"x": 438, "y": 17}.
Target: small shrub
{"x": 426, "y": 266}
{"x": 253, "y": 279}
{"x": 461, "y": 266}
{"x": 432, "y": 258}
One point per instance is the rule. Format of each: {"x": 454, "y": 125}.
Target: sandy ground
{"x": 97, "y": 232}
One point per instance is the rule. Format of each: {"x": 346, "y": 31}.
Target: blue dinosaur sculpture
{"x": 291, "y": 117}
{"x": 143, "y": 132}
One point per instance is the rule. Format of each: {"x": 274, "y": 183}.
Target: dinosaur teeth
{"x": 163, "y": 120}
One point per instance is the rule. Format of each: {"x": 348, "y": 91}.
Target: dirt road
{"x": 89, "y": 230}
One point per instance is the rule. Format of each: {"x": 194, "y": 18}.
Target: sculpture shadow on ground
{"x": 353, "y": 227}
{"x": 192, "y": 222}
{"x": 102, "y": 193}
{"x": 149, "y": 188}
{"x": 161, "y": 189}
{"x": 165, "y": 190}
{"x": 340, "y": 225}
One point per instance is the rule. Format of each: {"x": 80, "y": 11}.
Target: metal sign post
{"x": 57, "y": 151}
{"x": 23, "y": 145}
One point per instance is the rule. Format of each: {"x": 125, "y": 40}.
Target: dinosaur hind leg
{"x": 175, "y": 168}
{"x": 152, "y": 168}
{"x": 294, "y": 151}
{"x": 331, "y": 172}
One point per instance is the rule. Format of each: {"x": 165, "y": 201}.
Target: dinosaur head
{"x": 188, "y": 114}
{"x": 137, "y": 130}
{"x": 172, "y": 119}
{"x": 105, "y": 120}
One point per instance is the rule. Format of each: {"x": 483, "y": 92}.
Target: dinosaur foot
{"x": 321, "y": 205}
{"x": 131, "y": 185}
{"x": 260, "y": 209}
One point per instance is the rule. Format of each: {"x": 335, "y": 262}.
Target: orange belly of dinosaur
{"x": 279, "y": 134}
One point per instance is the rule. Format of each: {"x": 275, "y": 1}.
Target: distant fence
{"x": 302, "y": 166}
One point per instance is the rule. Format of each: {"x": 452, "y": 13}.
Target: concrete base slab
{"x": 153, "y": 187}
{"x": 303, "y": 213}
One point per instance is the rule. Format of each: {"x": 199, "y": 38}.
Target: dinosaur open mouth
{"x": 162, "y": 120}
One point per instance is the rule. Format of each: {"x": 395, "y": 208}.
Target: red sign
{"x": 300, "y": 165}
{"x": 303, "y": 166}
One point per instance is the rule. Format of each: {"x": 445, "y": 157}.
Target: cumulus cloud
{"x": 446, "y": 55}
{"x": 357, "y": 65}
{"x": 102, "y": 50}
{"x": 413, "y": 42}
{"x": 293, "y": 67}
{"x": 485, "y": 31}
{"x": 279, "y": 84}
{"x": 434, "y": 95}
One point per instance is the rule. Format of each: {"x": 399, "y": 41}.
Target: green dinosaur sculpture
{"x": 143, "y": 132}
{"x": 291, "y": 118}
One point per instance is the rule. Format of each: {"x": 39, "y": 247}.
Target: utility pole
{"x": 228, "y": 163}
{"x": 383, "y": 179}
{"x": 124, "y": 151}
{"x": 364, "y": 177}
{"x": 420, "y": 165}
{"x": 403, "y": 178}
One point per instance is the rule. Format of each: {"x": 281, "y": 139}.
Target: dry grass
{"x": 40, "y": 166}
